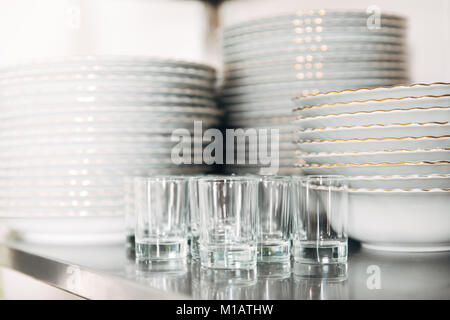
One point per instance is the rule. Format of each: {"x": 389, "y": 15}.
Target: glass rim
{"x": 225, "y": 179}
{"x": 161, "y": 178}
{"x": 325, "y": 178}
{"x": 274, "y": 178}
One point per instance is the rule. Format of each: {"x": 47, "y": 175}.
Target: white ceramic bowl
{"x": 400, "y": 220}
{"x": 356, "y": 145}
{"x": 376, "y": 131}
{"x": 373, "y": 105}
{"x": 381, "y": 117}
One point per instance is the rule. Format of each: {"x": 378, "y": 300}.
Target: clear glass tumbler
{"x": 228, "y": 222}
{"x": 161, "y": 218}
{"x": 194, "y": 217}
{"x": 320, "y": 224}
{"x": 273, "y": 219}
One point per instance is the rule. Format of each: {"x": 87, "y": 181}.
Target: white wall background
{"x": 184, "y": 29}
{"x": 48, "y": 28}
{"x": 429, "y": 26}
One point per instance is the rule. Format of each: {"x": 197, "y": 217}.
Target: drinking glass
{"x": 320, "y": 225}
{"x": 194, "y": 217}
{"x": 161, "y": 218}
{"x": 228, "y": 222}
{"x": 130, "y": 217}
{"x": 273, "y": 219}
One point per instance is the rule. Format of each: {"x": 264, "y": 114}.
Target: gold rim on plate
{"x": 329, "y": 154}
{"x": 341, "y": 165}
{"x": 378, "y": 125}
{"x": 376, "y": 88}
{"x": 371, "y": 111}
{"x": 366, "y": 101}
{"x": 399, "y": 190}
{"x": 370, "y": 139}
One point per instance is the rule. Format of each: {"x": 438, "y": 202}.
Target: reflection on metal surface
{"x": 76, "y": 279}
{"x": 106, "y": 272}
{"x": 399, "y": 275}
{"x": 320, "y": 289}
{"x": 274, "y": 281}
{"x": 332, "y": 271}
{"x": 167, "y": 276}
{"x": 223, "y": 284}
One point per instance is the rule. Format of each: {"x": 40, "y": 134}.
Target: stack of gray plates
{"x": 72, "y": 128}
{"x": 269, "y": 61}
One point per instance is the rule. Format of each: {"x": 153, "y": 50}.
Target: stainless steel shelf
{"x": 109, "y": 272}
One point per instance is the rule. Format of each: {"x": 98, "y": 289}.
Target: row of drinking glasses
{"x": 233, "y": 222}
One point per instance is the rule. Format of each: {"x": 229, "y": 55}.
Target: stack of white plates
{"x": 394, "y": 143}
{"x": 72, "y": 128}
{"x": 269, "y": 61}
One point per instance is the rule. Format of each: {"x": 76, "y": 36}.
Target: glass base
{"x": 335, "y": 271}
{"x": 228, "y": 257}
{"x": 195, "y": 247}
{"x": 274, "y": 270}
{"x": 274, "y": 251}
{"x": 228, "y": 277}
{"x": 323, "y": 252}
{"x": 147, "y": 249}
{"x": 152, "y": 267}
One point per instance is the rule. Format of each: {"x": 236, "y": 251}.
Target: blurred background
{"x": 189, "y": 29}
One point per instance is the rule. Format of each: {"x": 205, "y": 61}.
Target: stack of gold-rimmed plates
{"x": 73, "y": 127}
{"x": 394, "y": 144}
{"x": 268, "y": 61}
